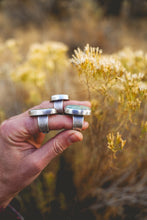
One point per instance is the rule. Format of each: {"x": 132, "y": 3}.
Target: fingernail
{"x": 75, "y": 136}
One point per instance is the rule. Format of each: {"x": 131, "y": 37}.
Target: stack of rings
{"x": 77, "y": 111}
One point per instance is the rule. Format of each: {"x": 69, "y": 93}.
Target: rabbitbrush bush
{"x": 118, "y": 79}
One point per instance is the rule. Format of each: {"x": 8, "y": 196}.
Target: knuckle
{"x": 4, "y": 128}
{"x": 58, "y": 147}
{"x": 31, "y": 125}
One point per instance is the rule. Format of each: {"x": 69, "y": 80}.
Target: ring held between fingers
{"x": 55, "y": 122}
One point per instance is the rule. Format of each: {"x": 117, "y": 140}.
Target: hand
{"x": 21, "y": 157}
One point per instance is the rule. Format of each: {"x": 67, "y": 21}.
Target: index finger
{"x": 56, "y": 122}
{"x": 48, "y": 104}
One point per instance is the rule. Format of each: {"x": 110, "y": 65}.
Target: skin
{"x": 22, "y": 155}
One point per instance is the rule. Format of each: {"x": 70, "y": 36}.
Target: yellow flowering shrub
{"x": 133, "y": 61}
{"x": 34, "y": 69}
{"x": 41, "y": 61}
{"x": 113, "y": 80}
{"x": 99, "y": 71}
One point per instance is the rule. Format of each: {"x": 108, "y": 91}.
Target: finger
{"x": 42, "y": 156}
{"x": 55, "y": 122}
{"x": 47, "y": 104}
{"x": 26, "y": 125}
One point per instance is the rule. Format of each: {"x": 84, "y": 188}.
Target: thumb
{"x": 56, "y": 145}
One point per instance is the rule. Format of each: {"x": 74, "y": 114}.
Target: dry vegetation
{"x": 104, "y": 177}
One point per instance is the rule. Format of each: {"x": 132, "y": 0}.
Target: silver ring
{"x": 58, "y": 101}
{"x": 41, "y": 112}
{"x": 78, "y": 112}
{"x": 78, "y": 122}
{"x": 43, "y": 124}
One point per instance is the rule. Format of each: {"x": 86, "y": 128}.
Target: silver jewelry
{"x": 41, "y": 112}
{"x": 77, "y": 122}
{"x": 58, "y": 101}
{"x": 43, "y": 124}
{"x": 78, "y": 112}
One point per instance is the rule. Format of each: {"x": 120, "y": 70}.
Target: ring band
{"x": 41, "y": 112}
{"x": 78, "y": 122}
{"x": 58, "y": 101}
{"x": 58, "y": 105}
{"x": 43, "y": 124}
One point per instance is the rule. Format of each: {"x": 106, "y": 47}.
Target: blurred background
{"x": 110, "y": 24}
{"x": 37, "y": 39}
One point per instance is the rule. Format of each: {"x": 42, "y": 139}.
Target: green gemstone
{"x": 77, "y": 107}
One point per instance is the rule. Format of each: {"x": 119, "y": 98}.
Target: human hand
{"x": 21, "y": 157}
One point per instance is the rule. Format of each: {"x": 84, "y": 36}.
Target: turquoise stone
{"x": 77, "y": 107}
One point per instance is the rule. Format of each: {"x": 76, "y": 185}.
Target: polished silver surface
{"x": 43, "y": 124}
{"x": 77, "y": 110}
{"x": 40, "y": 112}
{"x": 59, "y": 97}
{"x": 78, "y": 122}
{"x": 58, "y": 105}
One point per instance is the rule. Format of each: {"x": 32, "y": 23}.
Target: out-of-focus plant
{"x": 133, "y": 61}
{"x": 2, "y": 115}
{"x": 144, "y": 126}
{"x": 132, "y": 93}
{"x": 41, "y": 62}
{"x": 34, "y": 69}
{"x": 115, "y": 143}
{"x": 41, "y": 192}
